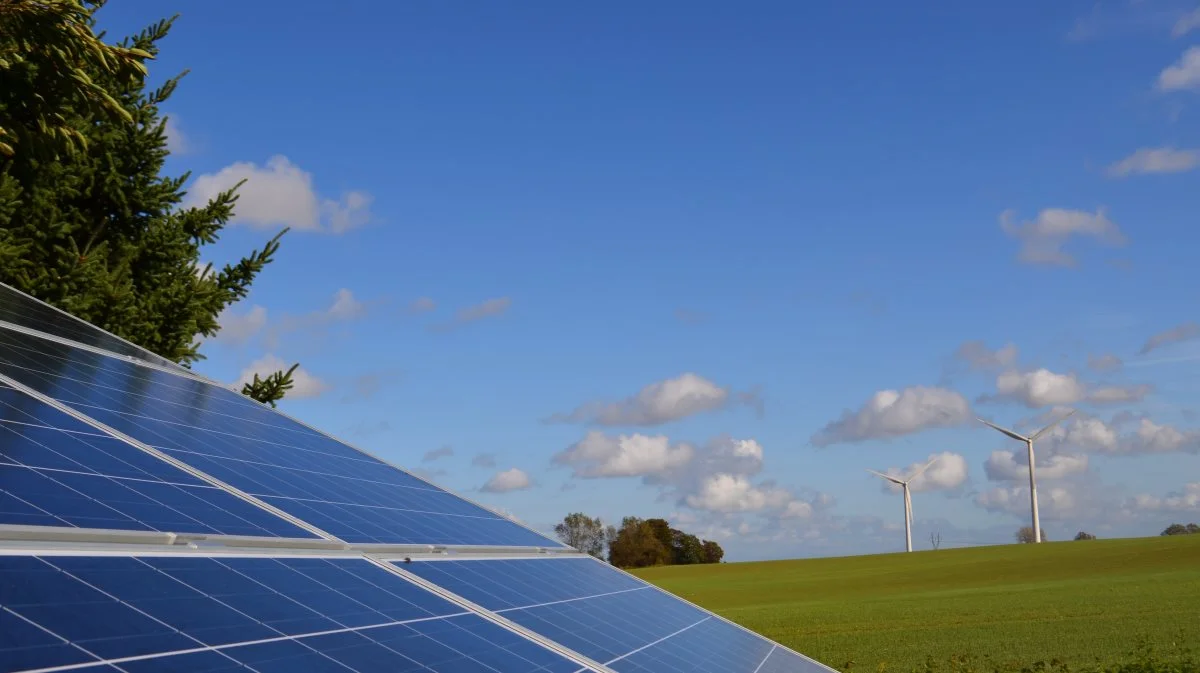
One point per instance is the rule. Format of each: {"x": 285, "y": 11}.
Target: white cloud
{"x": 1186, "y": 23}
{"x": 1179, "y": 333}
{"x": 304, "y": 383}
{"x": 240, "y": 328}
{"x": 508, "y": 480}
{"x": 979, "y": 357}
{"x": 436, "y": 454}
{"x": 1187, "y": 500}
{"x": 1039, "y": 388}
{"x": 1011, "y": 466}
{"x": 1120, "y": 394}
{"x": 662, "y": 402}
{"x": 1042, "y": 239}
{"x": 1095, "y": 436}
{"x": 345, "y": 306}
{"x": 1054, "y": 503}
{"x": 735, "y": 493}
{"x": 1104, "y": 363}
{"x": 948, "y": 473}
{"x": 1183, "y": 74}
{"x": 1155, "y": 160}
{"x": 490, "y": 308}
{"x": 280, "y": 194}
{"x": 177, "y": 142}
{"x": 636, "y": 455}
{"x": 892, "y": 413}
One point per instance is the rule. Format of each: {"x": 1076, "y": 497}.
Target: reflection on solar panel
{"x": 609, "y": 616}
{"x": 302, "y": 472}
{"x": 21, "y": 309}
{"x": 151, "y": 521}
{"x": 58, "y": 471}
{"x": 207, "y": 613}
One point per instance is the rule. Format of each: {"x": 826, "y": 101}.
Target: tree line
{"x": 637, "y": 543}
{"x": 88, "y": 222}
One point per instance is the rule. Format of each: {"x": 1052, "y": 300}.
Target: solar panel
{"x": 326, "y": 483}
{"x": 58, "y": 471}
{"x": 189, "y": 612}
{"x": 20, "y": 309}
{"x": 609, "y": 616}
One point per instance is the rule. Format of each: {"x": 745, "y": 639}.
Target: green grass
{"x": 1084, "y": 603}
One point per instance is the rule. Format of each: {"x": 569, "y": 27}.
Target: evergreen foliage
{"x": 98, "y": 231}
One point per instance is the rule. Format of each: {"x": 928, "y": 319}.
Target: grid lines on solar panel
{"x": 188, "y": 613}
{"x": 21, "y": 309}
{"x": 58, "y": 471}
{"x": 323, "y": 482}
{"x": 610, "y": 617}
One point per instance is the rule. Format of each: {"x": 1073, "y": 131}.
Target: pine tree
{"x": 99, "y": 233}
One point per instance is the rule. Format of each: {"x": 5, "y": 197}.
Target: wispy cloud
{"x": 491, "y": 308}
{"x": 1182, "y": 74}
{"x": 1151, "y": 160}
{"x": 1043, "y": 238}
{"x": 1183, "y": 332}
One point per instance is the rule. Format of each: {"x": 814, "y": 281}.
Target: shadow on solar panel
{"x": 151, "y": 520}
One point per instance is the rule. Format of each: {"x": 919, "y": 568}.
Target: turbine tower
{"x": 1033, "y": 499}
{"x": 903, "y": 483}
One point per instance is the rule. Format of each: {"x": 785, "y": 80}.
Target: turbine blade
{"x": 921, "y": 470}
{"x": 1005, "y": 431}
{"x": 1046, "y": 429}
{"x": 886, "y": 476}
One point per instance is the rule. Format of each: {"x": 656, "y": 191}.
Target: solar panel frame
{"x": 766, "y": 665}
{"x": 40, "y": 549}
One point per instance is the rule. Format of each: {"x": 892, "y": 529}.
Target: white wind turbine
{"x": 1033, "y": 500}
{"x": 903, "y": 483}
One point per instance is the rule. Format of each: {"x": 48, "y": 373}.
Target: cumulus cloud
{"x": 1155, "y": 160}
{"x": 979, "y": 357}
{"x": 892, "y": 413}
{"x": 636, "y": 455}
{"x": 437, "y": 454}
{"x": 177, "y": 141}
{"x": 1042, "y": 239}
{"x": 662, "y": 402}
{"x": 484, "y": 460}
{"x": 1187, "y": 500}
{"x": 1054, "y": 503}
{"x": 1011, "y": 466}
{"x": 509, "y": 480}
{"x": 1042, "y": 387}
{"x": 1186, "y": 23}
{"x": 280, "y": 194}
{"x": 1182, "y": 74}
{"x": 948, "y": 473}
{"x": 1179, "y": 333}
{"x": 1093, "y": 435}
{"x": 735, "y": 493}
{"x": 304, "y": 383}
{"x": 490, "y": 308}
{"x": 1104, "y": 363}
{"x": 239, "y": 328}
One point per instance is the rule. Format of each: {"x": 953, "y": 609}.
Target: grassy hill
{"x": 1082, "y": 602}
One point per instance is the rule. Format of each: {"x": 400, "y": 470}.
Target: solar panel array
{"x": 151, "y": 520}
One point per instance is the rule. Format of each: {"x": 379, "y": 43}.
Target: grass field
{"x": 1081, "y": 602}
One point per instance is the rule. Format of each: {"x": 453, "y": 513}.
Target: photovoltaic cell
{"x": 58, "y": 471}
{"x": 610, "y": 617}
{"x": 21, "y": 309}
{"x": 302, "y": 472}
{"x": 188, "y": 613}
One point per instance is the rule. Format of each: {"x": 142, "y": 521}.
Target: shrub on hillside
{"x": 1084, "y": 535}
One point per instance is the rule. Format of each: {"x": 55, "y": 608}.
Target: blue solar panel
{"x": 302, "y": 472}
{"x": 58, "y": 471}
{"x": 188, "y": 613}
{"x": 610, "y": 617}
{"x": 21, "y": 309}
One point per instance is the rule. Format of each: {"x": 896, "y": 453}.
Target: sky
{"x": 713, "y": 262}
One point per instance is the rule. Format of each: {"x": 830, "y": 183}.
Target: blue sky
{"x": 500, "y": 214}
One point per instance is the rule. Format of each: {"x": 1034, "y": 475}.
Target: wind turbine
{"x": 903, "y": 483}
{"x": 1033, "y": 501}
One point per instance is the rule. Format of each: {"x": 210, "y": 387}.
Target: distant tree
{"x": 1181, "y": 529}
{"x": 1083, "y": 535}
{"x": 1025, "y": 535}
{"x": 98, "y": 231}
{"x": 637, "y": 545}
{"x": 712, "y": 552}
{"x": 935, "y": 539}
{"x": 686, "y": 548}
{"x": 583, "y": 532}
{"x": 663, "y": 531}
